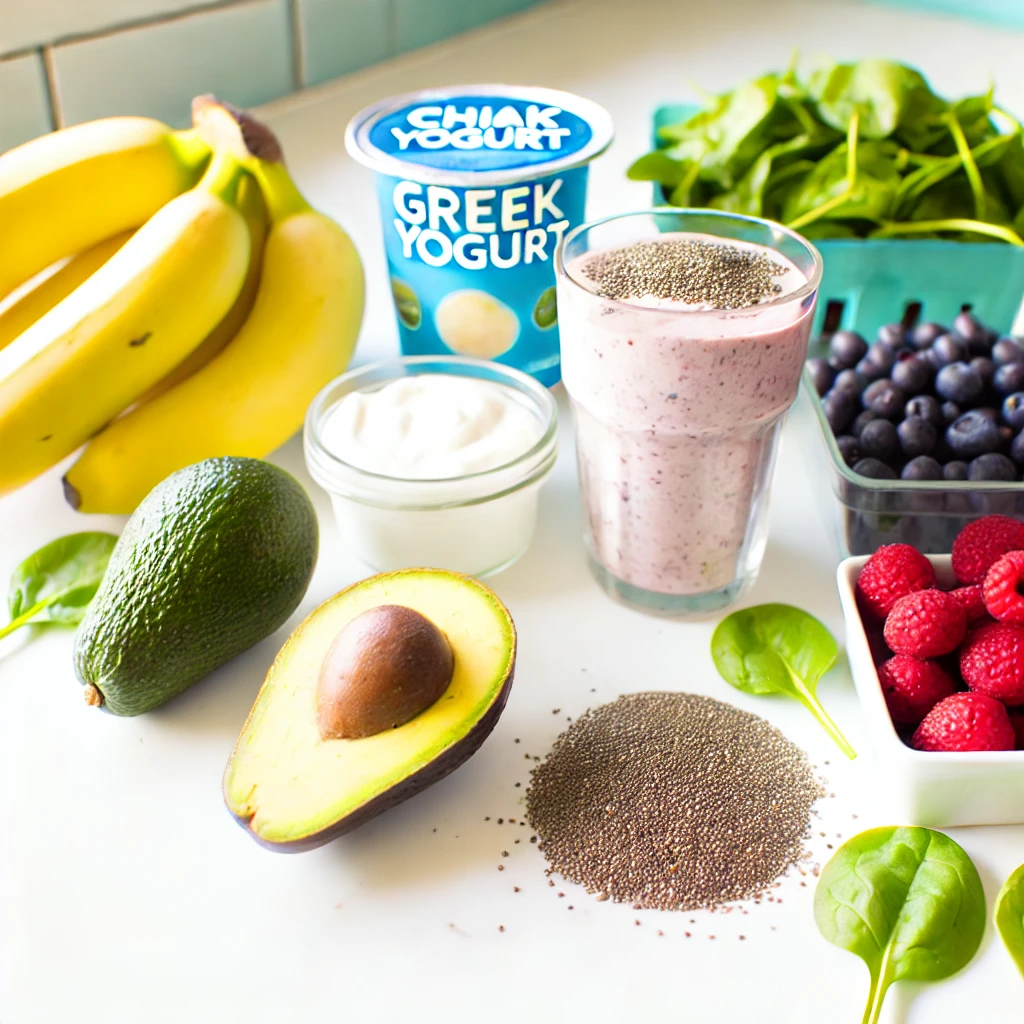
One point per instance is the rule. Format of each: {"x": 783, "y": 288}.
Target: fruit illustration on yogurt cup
{"x": 545, "y": 312}
{"x": 407, "y": 303}
{"x": 475, "y": 323}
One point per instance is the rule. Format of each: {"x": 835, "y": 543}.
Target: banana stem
{"x": 191, "y": 149}
{"x": 283, "y": 199}
{"x": 222, "y": 176}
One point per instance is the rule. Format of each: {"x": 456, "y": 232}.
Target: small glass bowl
{"x": 478, "y": 524}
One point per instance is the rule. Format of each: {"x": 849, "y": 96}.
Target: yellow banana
{"x": 252, "y": 207}
{"x": 254, "y": 395}
{"x": 23, "y": 313}
{"x": 66, "y": 191}
{"x": 123, "y": 329}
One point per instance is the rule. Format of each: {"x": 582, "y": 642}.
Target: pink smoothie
{"x": 677, "y": 409}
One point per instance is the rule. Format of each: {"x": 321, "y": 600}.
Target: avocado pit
{"x": 388, "y": 664}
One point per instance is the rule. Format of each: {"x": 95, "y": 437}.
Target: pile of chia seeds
{"x": 700, "y": 273}
{"x": 672, "y": 801}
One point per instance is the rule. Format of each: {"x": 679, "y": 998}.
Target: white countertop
{"x": 128, "y": 894}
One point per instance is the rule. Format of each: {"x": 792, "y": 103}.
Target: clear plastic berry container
{"x": 939, "y": 789}
{"x": 866, "y": 513}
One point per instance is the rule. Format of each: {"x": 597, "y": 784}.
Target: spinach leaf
{"x": 885, "y": 95}
{"x": 1009, "y": 916}
{"x": 907, "y": 901}
{"x": 776, "y": 648}
{"x": 57, "y": 582}
{"x": 658, "y": 166}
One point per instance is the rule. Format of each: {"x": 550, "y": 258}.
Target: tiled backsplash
{"x": 66, "y": 61}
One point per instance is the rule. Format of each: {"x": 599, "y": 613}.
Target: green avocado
{"x": 214, "y": 559}
{"x": 293, "y": 790}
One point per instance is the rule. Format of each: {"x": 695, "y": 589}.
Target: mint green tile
{"x": 242, "y": 53}
{"x": 339, "y": 36}
{"x": 24, "y": 105}
{"x": 503, "y": 8}
{"x": 422, "y": 22}
{"x": 997, "y": 12}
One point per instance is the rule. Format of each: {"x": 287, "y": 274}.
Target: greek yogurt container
{"x": 381, "y": 463}
{"x": 477, "y": 184}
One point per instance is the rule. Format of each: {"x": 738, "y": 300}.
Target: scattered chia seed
{"x": 700, "y": 273}
{"x": 672, "y": 801}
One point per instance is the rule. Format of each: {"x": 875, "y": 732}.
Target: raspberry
{"x": 992, "y": 661}
{"x": 912, "y": 688}
{"x": 980, "y": 543}
{"x": 925, "y": 624}
{"x": 965, "y": 721}
{"x": 972, "y": 601}
{"x": 892, "y": 572}
{"x": 1003, "y": 587}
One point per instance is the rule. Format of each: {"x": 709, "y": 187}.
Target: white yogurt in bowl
{"x": 433, "y": 461}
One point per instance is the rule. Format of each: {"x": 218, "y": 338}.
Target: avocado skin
{"x": 454, "y": 757}
{"x": 214, "y": 559}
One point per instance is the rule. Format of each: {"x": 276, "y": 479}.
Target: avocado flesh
{"x": 293, "y": 790}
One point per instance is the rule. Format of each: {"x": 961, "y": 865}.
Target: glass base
{"x": 672, "y": 606}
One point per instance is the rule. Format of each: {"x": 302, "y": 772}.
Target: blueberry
{"x": 917, "y": 436}
{"x": 958, "y": 383}
{"x": 1013, "y": 410}
{"x": 868, "y": 369}
{"x": 991, "y": 466}
{"x": 924, "y": 335}
{"x": 884, "y": 398}
{"x": 955, "y": 470}
{"x": 1017, "y": 449}
{"x": 912, "y": 373}
{"x": 821, "y": 375}
{"x": 1009, "y": 378}
{"x": 1005, "y": 436}
{"x": 874, "y": 469}
{"x": 946, "y": 350}
{"x": 892, "y": 335}
{"x": 1007, "y": 350}
{"x": 990, "y": 411}
{"x": 839, "y": 408}
{"x": 862, "y": 420}
{"x": 849, "y": 448}
{"x": 846, "y": 349}
{"x": 882, "y": 357}
{"x": 924, "y": 467}
{"x": 984, "y": 368}
{"x": 879, "y": 439}
{"x": 970, "y": 328}
{"x": 849, "y": 380}
{"x": 950, "y": 412}
{"x": 927, "y": 408}
{"x": 972, "y": 434}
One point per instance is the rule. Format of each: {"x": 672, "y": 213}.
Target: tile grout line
{"x": 52, "y": 86}
{"x": 298, "y": 50}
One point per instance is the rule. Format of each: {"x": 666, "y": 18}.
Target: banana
{"x": 124, "y": 328}
{"x": 66, "y": 191}
{"x": 252, "y": 207}
{"x": 20, "y": 315}
{"x": 254, "y": 395}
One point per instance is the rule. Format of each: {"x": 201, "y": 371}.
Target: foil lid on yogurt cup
{"x": 478, "y": 134}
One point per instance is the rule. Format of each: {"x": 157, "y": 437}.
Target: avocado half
{"x": 294, "y": 791}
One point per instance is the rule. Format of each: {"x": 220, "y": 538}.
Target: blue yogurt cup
{"x": 477, "y": 184}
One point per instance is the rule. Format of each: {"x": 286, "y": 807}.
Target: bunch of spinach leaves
{"x": 863, "y": 150}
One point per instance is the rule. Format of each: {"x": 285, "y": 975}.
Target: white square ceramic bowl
{"x": 927, "y": 788}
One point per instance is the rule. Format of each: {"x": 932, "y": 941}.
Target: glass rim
{"x": 543, "y": 400}
{"x": 809, "y": 287}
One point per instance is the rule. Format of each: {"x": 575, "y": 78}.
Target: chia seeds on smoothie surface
{"x": 672, "y": 801}
{"x": 712, "y": 274}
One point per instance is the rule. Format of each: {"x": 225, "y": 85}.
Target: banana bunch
{"x": 170, "y": 296}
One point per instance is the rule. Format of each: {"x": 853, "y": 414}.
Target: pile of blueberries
{"x": 926, "y": 402}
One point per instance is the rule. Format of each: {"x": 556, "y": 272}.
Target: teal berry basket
{"x": 867, "y": 283}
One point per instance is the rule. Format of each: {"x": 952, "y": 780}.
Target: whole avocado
{"x": 214, "y": 559}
